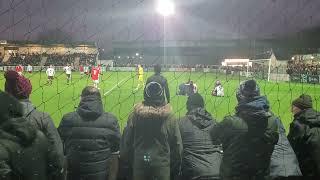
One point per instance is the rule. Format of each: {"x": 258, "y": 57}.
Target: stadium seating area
{"x": 302, "y": 67}
{"x": 34, "y": 59}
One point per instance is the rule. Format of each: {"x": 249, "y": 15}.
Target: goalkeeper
{"x": 140, "y": 77}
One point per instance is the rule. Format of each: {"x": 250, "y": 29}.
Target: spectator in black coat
{"x": 20, "y": 87}
{"x": 284, "y": 164}
{"x": 304, "y": 136}
{"x": 157, "y": 77}
{"x": 90, "y": 137}
{"x": 24, "y": 150}
{"x": 151, "y": 144}
{"x": 248, "y": 137}
{"x": 201, "y": 156}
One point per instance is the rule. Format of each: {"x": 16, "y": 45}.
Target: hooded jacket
{"x": 248, "y": 139}
{"x": 24, "y": 152}
{"x": 151, "y": 143}
{"x": 89, "y": 136}
{"x": 284, "y": 162}
{"x": 43, "y": 122}
{"x": 304, "y": 137}
{"x": 21, "y": 145}
{"x": 202, "y": 155}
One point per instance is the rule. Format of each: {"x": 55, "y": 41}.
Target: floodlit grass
{"x": 61, "y": 98}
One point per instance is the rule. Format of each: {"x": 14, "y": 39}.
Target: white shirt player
{"x": 29, "y": 68}
{"x": 219, "y": 89}
{"x": 67, "y": 69}
{"x": 50, "y": 71}
{"x": 86, "y": 69}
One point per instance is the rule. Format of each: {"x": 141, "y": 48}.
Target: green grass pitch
{"x": 120, "y": 97}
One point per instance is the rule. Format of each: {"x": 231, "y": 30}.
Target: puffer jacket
{"x": 304, "y": 137}
{"x": 24, "y": 151}
{"x": 202, "y": 155}
{"x": 151, "y": 143}
{"x": 90, "y": 136}
{"x": 43, "y": 122}
{"x": 284, "y": 162}
{"x": 248, "y": 139}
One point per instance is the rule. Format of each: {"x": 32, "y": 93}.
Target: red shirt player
{"x": 19, "y": 69}
{"x": 95, "y": 71}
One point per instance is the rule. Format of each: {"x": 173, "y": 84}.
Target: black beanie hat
{"x": 303, "y": 102}
{"x": 247, "y": 90}
{"x": 154, "y": 94}
{"x": 195, "y": 101}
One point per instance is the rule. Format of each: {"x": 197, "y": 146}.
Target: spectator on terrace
{"x": 202, "y": 155}
{"x": 248, "y": 137}
{"x": 91, "y": 139}
{"x": 157, "y": 77}
{"x": 151, "y": 144}
{"x": 304, "y": 136}
{"x": 20, "y": 87}
{"x": 24, "y": 151}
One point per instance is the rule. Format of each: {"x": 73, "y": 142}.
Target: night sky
{"x": 104, "y": 21}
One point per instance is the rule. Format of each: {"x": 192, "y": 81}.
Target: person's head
{"x": 195, "y": 101}
{"x": 154, "y": 94}
{"x": 218, "y": 83}
{"x": 303, "y": 102}
{"x": 157, "y": 68}
{"x": 90, "y": 91}
{"x": 247, "y": 90}
{"x": 139, "y": 66}
{"x": 17, "y": 85}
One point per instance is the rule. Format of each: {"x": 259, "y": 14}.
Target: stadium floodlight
{"x": 119, "y": 57}
{"x": 165, "y": 7}
{"x": 137, "y": 54}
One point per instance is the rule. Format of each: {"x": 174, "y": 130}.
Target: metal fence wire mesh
{"x": 43, "y": 32}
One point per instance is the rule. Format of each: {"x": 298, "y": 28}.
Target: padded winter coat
{"x": 202, "y": 155}
{"x": 151, "y": 144}
{"x": 90, "y": 136}
{"x": 248, "y": 139}
{"x": 304, "y": 136}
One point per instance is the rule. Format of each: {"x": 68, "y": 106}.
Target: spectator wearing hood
{"x": 248, "y": 137}
{"x": 24, "y": 152}
{"x": 304, "y": 136}
{"x": 151, "y": 144}
{"x": 90, "y": 137}
{"x": 20, "y": 87}
{"x": 202, "y": 155}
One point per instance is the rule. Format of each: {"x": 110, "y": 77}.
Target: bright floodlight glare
{"x": 165, "y": 7}
{"x": 137, "y": 54}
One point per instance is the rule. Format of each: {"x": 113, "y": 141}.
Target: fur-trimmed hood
{"x": 151, "y": 112}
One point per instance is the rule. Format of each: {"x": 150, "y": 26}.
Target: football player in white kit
{"x": 50, "y": 73}
{"x": 68, "y": 70}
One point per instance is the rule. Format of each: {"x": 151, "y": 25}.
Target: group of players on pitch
{"x": 185, "y": 89}
{"x": 93, "y": 71}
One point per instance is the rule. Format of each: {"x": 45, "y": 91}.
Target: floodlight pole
{"x": 164, "y": 39}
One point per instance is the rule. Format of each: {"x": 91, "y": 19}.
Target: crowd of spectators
{"x": 34, "y": 59}
{"x": 249, "y": 145}
{"x": 23, "y": 59}
{"x": 303, "y": 67}
{"x": 62, "y": 60}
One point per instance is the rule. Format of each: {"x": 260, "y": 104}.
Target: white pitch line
{"x": 118, "y": 84}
